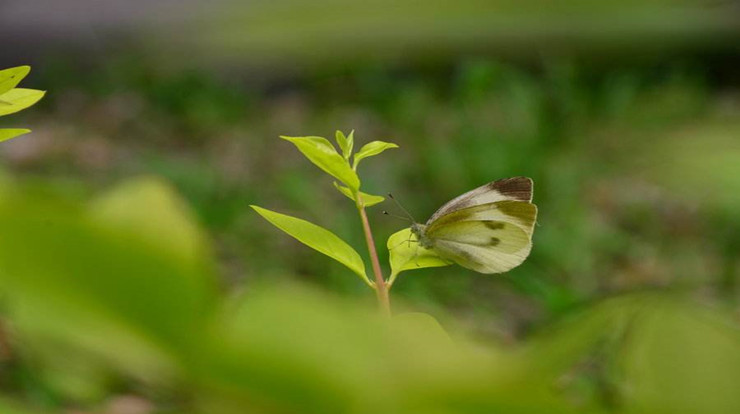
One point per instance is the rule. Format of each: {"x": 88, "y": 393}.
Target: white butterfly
{"x": 488, "y": 229}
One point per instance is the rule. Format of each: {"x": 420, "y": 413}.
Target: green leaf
{"x": 368, "y": 200}
{"x": 19, "y": 99}
{"x": 346, "y": 144}
{"x": 370, "y": 149}
{"x": 6, "y": 134}
{"x": 123, "y": 293}
{"x": 407, "y": 254}
{"x": 149, "y": 207}
{"x": 421, "y": 322}
{"x": 9, "y": 78}
{"x": 317, "y": 238}
{"x": 320, "y": 152}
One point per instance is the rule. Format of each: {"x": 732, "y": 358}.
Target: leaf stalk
{"x": 381, "y": 288}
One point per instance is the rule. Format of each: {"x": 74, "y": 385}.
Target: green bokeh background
{"x": 626, "y": 116}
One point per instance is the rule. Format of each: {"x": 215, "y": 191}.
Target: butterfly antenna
{"x": 408, "y": 215}
{"x": 404, "y": 218}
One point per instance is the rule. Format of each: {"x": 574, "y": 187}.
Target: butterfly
{"x": 488, "y": 229}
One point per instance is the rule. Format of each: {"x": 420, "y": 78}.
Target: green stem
{"x": 381, "y": 289}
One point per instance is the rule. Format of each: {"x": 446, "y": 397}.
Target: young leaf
{"x": 370, "y": 149}
{"x": 19, "y": 99}
{"x": 346, "y": 144}
{"x": 407, "y": 254}
{"x": 317, "y": 238}
{"x": 6, "y": 134}
{"x": 367, "y": 199}
{"x": 9, "y": 78}
{"x": 341, "y": 141}
{"x": 350, "y": 144}
{"x": 320, "y": 152}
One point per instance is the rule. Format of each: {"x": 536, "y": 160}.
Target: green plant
{"x": 503, "y": 209}
{"x": 325, "y": 156}
{"x": 14, "y": 99}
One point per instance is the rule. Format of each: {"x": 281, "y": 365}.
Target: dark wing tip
{"x": 518, "y": 188}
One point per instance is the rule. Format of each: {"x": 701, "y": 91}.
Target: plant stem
{"x": 381, "y": 289}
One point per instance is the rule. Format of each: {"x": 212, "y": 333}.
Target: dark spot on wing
{"x": 494, "y": 225}
{"x": 518, "y": 188}
{"x": 526, "y": 212}
{"x": 495, "y": 241}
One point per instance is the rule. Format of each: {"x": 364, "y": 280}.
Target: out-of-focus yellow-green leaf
{"x": 293, "y": 350}
{"x": 76, "y": 275}
{"x": 650, "y": 353}
{"x": 19, "y": 99}
{"x": 371, "y": 149}
{"x": 150, "y": 209}
{"x": 10, "y": 133}
{"x": 317, "y": 238}
{"x": 407, "y": 254}
{"x": 10, "y": 78}
{"x": 346, "y": 143}
{"x": 417, "y": 321}
{"x": 368, "y": 200}
{"x": 682, "y": 358}
{"x": 320, "y": 152}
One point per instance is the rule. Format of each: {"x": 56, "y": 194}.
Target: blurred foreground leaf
{"x": 100, "y": 278}
{"x": 298, "y": 351}
{"x": 644, "y": 353}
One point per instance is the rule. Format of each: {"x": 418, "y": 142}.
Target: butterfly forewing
{"x": 513, "y": 189}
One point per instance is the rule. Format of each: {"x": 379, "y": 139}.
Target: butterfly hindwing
{"x": 499, "y": 235}
{"x": 519, "y": 213}
{"x": 513, "y": 189}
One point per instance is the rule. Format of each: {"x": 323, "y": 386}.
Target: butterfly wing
{"x": 488, "y": 238}
{"x": 512, "y": 189}
{"x": 517, "y": 213}
{"x": 482, "y": 259}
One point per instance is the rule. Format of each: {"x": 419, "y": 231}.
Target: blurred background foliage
{"x": 167, "y": 294}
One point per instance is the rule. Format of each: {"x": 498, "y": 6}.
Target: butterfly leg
{"x": 402, "y": 242}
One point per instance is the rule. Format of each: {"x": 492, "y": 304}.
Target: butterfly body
{"x": 488, "y": 229}
{"x": 418, "y": 230}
